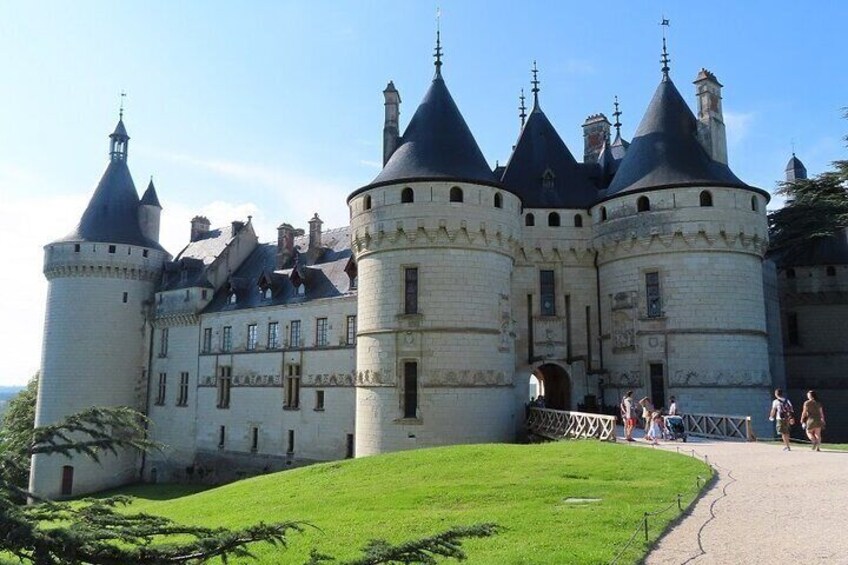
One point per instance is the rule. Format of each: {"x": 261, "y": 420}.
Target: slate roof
{"x": 539, "y": 151}
{"x": 437, "y": 145}
{"x": 112, "y": 213}
{"x": 120, "y": 130}
{"x": 325, "y": 278}
{"x": 149, "y": 198}
{"x": 832, "y": 250}
{"x": 665, "y": 150}
{"x": 208, "y": 246}
{"x": 795, "y": 169}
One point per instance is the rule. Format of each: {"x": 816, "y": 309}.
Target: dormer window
{"x": 183, "y": 276}
{"x": 548, "y": 180}
{"x": 301, "y": 289}
{"x": 268, "y": 294}
{"x": 354, "y": 281}
{"x": 232, "y": 298}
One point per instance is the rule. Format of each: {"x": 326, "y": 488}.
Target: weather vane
{"x": 438, "y": 54}
{"x": 617, "y": 115}
{"x": 665, "y": 23}
{"x": 121, "y": 111}
{"x": 521, "y": 108}
{"x": 535, "y": 83}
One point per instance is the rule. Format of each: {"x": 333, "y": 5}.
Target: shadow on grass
{"x": 144, "y": 491}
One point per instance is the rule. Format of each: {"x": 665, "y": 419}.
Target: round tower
{"x": 680, "y": 242}
{"x": 433, "y": 236}
{"x": 100, "y": 278}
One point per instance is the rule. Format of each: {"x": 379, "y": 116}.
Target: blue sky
{"x": 275, "y": 109}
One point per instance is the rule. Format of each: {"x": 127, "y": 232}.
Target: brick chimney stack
{"x": 199, "y": 227}
{"x": 711, "y": 130}
{"x": 596, "y": 132}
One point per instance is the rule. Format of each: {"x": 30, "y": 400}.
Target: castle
{"x": 421, "y": 322}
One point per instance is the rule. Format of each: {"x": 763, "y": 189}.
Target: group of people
{"x": 812, "y": 418}
{"x": 652, "y": 418}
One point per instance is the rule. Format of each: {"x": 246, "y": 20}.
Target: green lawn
{"x": 401, "y": 496}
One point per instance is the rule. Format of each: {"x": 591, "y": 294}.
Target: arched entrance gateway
{"x": 554, "y": 385}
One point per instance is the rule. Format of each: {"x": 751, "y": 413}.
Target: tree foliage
{"x": 16, "y": 433}
{"x": 98, "y": 531}
{"x": 815, "y": 208}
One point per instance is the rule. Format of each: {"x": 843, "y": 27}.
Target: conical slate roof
{"x": 437, "y": 145}
{"x": 795, "y": 169}
{"x": 120, "y": 130}
{"x": 149, "y": 198}
{"x": 543, "y": 172}
{"x": 665, "y": 150}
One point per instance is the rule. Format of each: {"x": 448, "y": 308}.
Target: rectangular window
{"x": 410, "y": 290}
{"x": 319, "y": 399}
{"x": 273, "y": 335}
{"x": 652, "y": 294}
{"x": 251, "y": 337}
{"x": 77, "y": 248}
{"x": 294, "y": 334}
{"x": 547, "y": 292}
{"x": 225, "y": 382}
{"x": 222, "y": 436}
{"x": 350, "y": 334}
{"x": 144, "y": 253}
{"x": 112, "y": 249}
{"x": 182, "y": 397}
{"x": 126, "y": 297}
{"x": 206, "y": 347}
{"x": 410, "y": 389}
{"x": 657, "y": 385}
{"x": 203, "y": 294}
{"x": 292, "y": 389}
{"x": 350, "y": 444}
{"x": 160, "y": 393}
{"x": 290, "y": 448}
{"x": 227, "y": 339}
{"x": 793, "y": 336}
{"x": 321, "y": 332}
{"x": 163, "y": 342}
{"x": 254, "y": 439}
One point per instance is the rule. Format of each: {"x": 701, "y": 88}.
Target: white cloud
{"x": 738, "y": 125}
{"x": 372, "y": 164}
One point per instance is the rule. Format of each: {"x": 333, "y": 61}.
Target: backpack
{"x": 786, "y": 412}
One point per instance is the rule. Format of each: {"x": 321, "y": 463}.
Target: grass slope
{"x": 401, "y": 496}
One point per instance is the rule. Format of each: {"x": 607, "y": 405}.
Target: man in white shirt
{"x": 672, "y": 407}
{"x": 784, "y": 415}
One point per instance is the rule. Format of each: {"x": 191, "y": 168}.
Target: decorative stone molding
{"x": 466, "y": 378}
{"x": 99, "y": 270}
{"x": 448, "y": 234}
{"x": 617, "y": 246}
{"x": 328, "y": 380}
{"x": 682, "y": 378}
{"x": 624, "y": 379}
{"x": 176, "y": 319}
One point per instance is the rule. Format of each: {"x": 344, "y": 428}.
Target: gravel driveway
{"x": 768, "y": 506}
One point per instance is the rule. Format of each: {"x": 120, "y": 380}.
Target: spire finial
{"x": 438, "y": 53}
{"x": 665, "y": 23}
{"x": 535, "y": 83}
{"x": 121, "y": 110}
{"x": 522, "y": 109}
{"x": 617, "y": 115}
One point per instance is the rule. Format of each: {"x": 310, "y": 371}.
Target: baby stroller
{"x": 674, "y": 428}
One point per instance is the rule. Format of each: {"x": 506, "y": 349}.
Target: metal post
{"x": 646, "y": 526}
{"x": 679, "y": 502}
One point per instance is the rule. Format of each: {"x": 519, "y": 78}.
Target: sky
{"x": 274, "y": 109}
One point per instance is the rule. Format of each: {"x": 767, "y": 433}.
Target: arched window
{"x": 643, "y": 204}
{"x": 553, "y": 220}
{"x": 268, "y": 294}
{"x": 603, "y": 213}
{"x": 790, "y": 273}
{"x": 498, "y": 200}
{"x": 456, "y": 194}
{"x": 578, "y": 221}
{"x": 529, "y": 220}
{"x": 407, "y": 196}
{"x": 706, "y": 198}
{"x": 754, "y": 206}
{"x": 831, "y": 271}
{"x": 232, "y": 298}
{"x": 366, "y": 202}
{"x": 301, "y": 289}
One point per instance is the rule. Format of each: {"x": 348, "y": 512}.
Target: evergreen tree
{"x": 96, "y": 531}
{"x": 16, "y": 433}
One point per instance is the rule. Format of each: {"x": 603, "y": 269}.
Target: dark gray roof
{"x": 326, "y": 277}
{"x": 437, "y": 145}
{"x": 795, "y": 169}
{"x": 208, "y": 246}
{"x": 149, "y": 198}
{"x": 665, "y": 151}
{"x": 540, "y": 151}
{"x": 112, "y": 212}
{"x": 120, "y": 130}
{"x": 830, "y": 250}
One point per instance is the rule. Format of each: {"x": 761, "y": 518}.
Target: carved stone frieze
{"x": 719, "y": 378}
{"x": 466, "y": 377}
{"x": 623, "y": 330}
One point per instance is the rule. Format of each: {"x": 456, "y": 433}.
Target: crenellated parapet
{"x": 102, "y": 260}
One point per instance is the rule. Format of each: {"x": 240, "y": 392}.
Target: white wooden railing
{"x": 719, "y": 426}
{"x": 561, "y": 424}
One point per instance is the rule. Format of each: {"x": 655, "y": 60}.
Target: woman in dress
{"x": 647, "y": 410}
{"x": 812, "y": 416}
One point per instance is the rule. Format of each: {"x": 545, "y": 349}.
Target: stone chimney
{"x": 711, "y": 131}
{"x": 391, "y": 129}
{"x": 237, "y": 226}
{"x": 285, "y": 245}
{"x": 315, "y": 232}
{"x": 199, "y": 227}
{"x": 596, "y": 132}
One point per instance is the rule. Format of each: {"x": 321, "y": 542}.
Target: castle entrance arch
{"x": 555, "y": 384}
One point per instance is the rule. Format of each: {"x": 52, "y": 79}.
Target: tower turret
{"x": 795, "y": 169}
{"x": 101, "y": 279}
{"x": 149, "y": 213}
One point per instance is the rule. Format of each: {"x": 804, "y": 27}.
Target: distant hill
{"x": 9, "y": 392}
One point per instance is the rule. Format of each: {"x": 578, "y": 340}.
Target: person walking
{"x": 627, "y": 415}
{"x": 647, "y": 410}
{"x": 655, "y": 431}
{"x": 672, "y": 407}
{"x": 812, "y": 418}
{"x": 784, "y": 415}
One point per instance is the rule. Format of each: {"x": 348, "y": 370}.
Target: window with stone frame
{"x": 227, "y": 339}
{"x": 350, "y": 332}
{"x": 321, "y": 339}
{"x": 547, "y": 292}
{"x": 163, "y": 342}
{"x": 294, "y": 334}
{"x": 182, "y": 396}
{"x": 273, "y": 335}
{"x": 291, "y": 392}
{"x": 254, "y": 439}
{"x": 222, "y": 436}
{"x": 206, "y": 347}
{"x": 410, "y": 389}
{"x": 653, "y": 297}
{"x": 410, "y": 290}
{"x": 160, "y": 392}
{"x": 225, "y": 383}
{"x": 251, "y": 337}
{"x": 319, "y": 400}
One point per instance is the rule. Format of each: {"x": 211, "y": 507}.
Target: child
{"x": 655, "y": 432}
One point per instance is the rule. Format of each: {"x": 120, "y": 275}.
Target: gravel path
{"x": 768, "y": 506}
